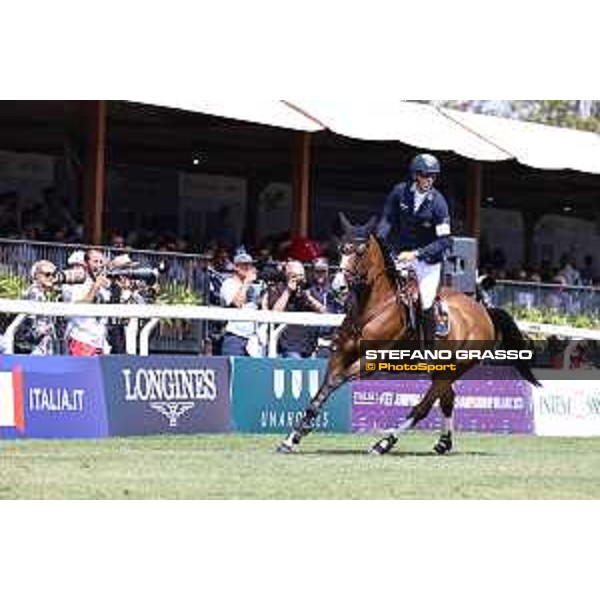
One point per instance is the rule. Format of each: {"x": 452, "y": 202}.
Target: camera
{"x": 486, "y": 282}
{"x": 271, "y": 273}
{"x": 148, "y": 275}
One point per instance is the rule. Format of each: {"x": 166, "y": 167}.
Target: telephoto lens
{"x": 70, "y": 276}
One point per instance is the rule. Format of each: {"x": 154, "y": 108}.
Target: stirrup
{"x": 441, "y": 329}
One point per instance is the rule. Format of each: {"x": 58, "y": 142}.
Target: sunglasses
{"x": 426, "y": 175}
{"x": 48, "y": 273}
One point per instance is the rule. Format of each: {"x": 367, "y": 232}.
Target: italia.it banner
{"x": 51, "y": 397}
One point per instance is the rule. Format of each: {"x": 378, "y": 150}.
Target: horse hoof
{"x": 384, "y": 445}
{"x": 443, "y": 446}
{"x": 283, "y": 448}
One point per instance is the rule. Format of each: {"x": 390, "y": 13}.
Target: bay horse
{"x": 376, "y": 313}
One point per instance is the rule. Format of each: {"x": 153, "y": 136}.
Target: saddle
{"x": 410, "y": 297}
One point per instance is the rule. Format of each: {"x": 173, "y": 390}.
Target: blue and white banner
{"x": 270, "y": 395}
{"x": 51, "y": 396}
{"x": 166, "y": 394}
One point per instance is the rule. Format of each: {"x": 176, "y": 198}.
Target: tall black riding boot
{"x": 428, "y": 326}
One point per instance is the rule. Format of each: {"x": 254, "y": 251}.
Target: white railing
{"x": 154, "y": 313}
{"x": 561, "y": 331}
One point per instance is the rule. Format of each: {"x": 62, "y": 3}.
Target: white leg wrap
{"x": 448, "y": 426}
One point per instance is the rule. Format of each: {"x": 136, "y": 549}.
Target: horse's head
{"x": 354, "y": 247}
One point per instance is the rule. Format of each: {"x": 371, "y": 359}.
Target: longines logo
{"x": 297, "y": 381}
{"x": 170, "y": 392}
{"x": 172, "y": 410}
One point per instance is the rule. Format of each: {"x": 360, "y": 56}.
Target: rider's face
{"x": 424, "y": 181}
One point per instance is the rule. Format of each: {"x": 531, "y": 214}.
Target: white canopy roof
{"x": 535, "y": 145}
{"x": 276, "y": 113}
{"x": 479, "y": 137}
{"x": 419, "y": 125}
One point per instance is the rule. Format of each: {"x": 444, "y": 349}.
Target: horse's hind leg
{"x": 444, "y": 443}
{"x": 420, "y": 411}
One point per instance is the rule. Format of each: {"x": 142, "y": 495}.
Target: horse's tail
{"x": 512, "y": 339}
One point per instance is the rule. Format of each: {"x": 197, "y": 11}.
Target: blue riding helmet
{"x": 425, "y": 163}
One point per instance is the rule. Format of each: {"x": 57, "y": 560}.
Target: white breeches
{"x": 429, "y": 280}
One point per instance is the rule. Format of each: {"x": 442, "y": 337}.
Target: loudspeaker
{"x": 459, "y": 270}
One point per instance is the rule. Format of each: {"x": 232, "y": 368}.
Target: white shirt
{"x": 419, "y": 198}
{"x": 229, "y": 289}
{"x": 88, "y": 330}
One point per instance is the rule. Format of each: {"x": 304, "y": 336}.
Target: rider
{"x": 418, "y": 215}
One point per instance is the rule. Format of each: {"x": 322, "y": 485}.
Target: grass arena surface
{"x": 326, "y": 466}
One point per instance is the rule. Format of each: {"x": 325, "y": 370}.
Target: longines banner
{"x": 166, "y": 394}
{"x": 269, "y": 396}
{"x": 51, "y": 396}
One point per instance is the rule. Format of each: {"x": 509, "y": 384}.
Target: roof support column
{"x": 474, "y": 193}
{"x": 94, "y": 170}
{"x": 301, "y": 184}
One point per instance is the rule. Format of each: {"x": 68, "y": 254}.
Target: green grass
{"x": 326, "y": 466}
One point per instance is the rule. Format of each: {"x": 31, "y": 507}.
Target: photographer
{"x": 239, "y": 291}
{"x": 124, "y": 290}
{"x": 325, "y": 302}
{"x": 87, "y": 336}
{"x": 292, "y": 295}
{"x": 37, "y": 335}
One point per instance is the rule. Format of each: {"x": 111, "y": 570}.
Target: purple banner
{"x": 51, "y": 397}
{"x": 167, "y": 394}
{"x": 494, "y": 406}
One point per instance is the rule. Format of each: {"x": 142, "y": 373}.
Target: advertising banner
{"x": 51, "y": 397}
{"x": 567, "y": 408}
{"x": 166, "y": 394}
{"x": 499, "y": 406}
{"x": 270, "y": 395}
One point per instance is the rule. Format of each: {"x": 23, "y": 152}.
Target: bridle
{"x": 358, "y": 247}
{"x": 356, "y": 278}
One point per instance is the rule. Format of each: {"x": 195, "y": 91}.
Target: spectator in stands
{"x": 238, "y": 291}
{"x": 296, "y": 341}
{"x": 37, "y": 335}
{"x": 546, "y": 271}
{"x": 87, "y": 336}
{"x": 222, "y": 261}
{"x": 117, "y": 241}
{"x": 325, "y": 302}
{"x": 320, "y": 289}
{"x": 568, "y": 271}
{"x": 588, "y": 271}
{"x": 561, "y": 299}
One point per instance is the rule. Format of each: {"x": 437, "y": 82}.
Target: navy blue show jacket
{"x": 427, "y": 231}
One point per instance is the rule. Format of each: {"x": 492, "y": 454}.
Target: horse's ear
{"x": 371, "y": 224}
{"x": 346, "y": 225}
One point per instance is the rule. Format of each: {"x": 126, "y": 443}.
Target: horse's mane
{"x": 389, "y": 265}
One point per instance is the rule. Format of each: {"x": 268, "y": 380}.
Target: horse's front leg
{"x": 338, "y": 372}
{"x": 308, "y": 421}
